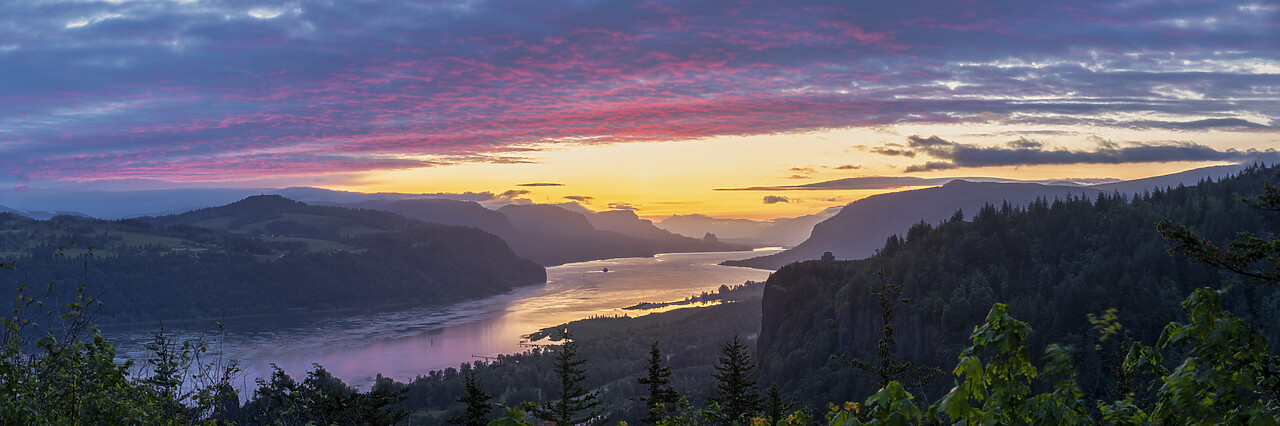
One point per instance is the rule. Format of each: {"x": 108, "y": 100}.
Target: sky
{"x": 749, "y": 109}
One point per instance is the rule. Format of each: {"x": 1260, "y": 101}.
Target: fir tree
{"x": 736, "y": 388}
{"x": 478, "y": 406}
{"x": 662, "y": 397}
{"x": 576, "y": 405}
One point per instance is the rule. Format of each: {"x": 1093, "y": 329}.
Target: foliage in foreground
{"x": 56, "y": 368}
{"x": 320, "y": 399}
{"x": 1227, "y": 377}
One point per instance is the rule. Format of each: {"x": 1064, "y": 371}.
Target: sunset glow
{"x": 660, "y": 107}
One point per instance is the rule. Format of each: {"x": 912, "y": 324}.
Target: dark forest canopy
{"x": 1052, "y": 261}
{"x": 264, "y": 254}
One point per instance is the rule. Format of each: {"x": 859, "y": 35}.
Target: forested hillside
{"x": 264, "y": 254}
{"x": 1052, "y": 261}
{"x": 860, "y": 228}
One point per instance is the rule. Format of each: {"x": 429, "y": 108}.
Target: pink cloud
{"x": 330, "y": 89}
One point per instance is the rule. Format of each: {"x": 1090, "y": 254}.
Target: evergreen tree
{"x": 576, "y": 405}
{"x": 321, "y": 398}
{"x": 1248, "y": 254}
{"x": 662, "y": 397}
{"x": 478, "y": 406}
{"x": 891, "y": 366}
{"x": 774, "y": 407}
{"x": 736, "y": 388}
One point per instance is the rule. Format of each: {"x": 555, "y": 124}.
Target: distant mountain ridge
{"x": 1187, "y": 178}
{"x": 445, "y": 211}
{"x": 262, "y": 214}
{"x": 552, "y": 235}
{"x": 629, "y": 223}
{"x": 778, "y": 232}
{"x": 862, "y": 226}
{"x": 732, "y": 234}
{"x": 547, "y": 234}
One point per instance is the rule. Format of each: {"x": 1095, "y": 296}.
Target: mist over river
{"x": 405, "y": 343}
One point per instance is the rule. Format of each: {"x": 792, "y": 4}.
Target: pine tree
{"x": 478, "y": 406}
{"x": 662, "y": 397}
{"x": 574, "y": 398}
{"x": 736, "y": 389}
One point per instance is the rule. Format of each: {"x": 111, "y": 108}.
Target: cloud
{"x": 893, "y": 152}
{"x": 855, "y": 183}
{"x": 1024, "y": 152}
{"x": 514, "y": 193}
{"x": 459, "y": 196}
{"x": 234, "y": 91}
{"x": 848, "y": 167}
{"x": 574, "y": 207}
{"x": 930, "y": 166}
{"x": 465, "y": 196}
{"x": 580, "y": 198}
{"x": 803, "y": 170}
{"x": 775, "y": 199}
{"x": 797, "y": 177}
{"x": 1205, "y": 124}
{"x": 540, "y": 184}
{"x": 486, "y": 158}
{"x": 879, "y": 183}
{"x": 623, "y": 206}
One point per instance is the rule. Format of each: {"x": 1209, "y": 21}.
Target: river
{"x": 406, "y": 343}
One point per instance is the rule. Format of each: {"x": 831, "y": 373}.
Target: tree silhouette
{"x": 774, "y": 407}
{"x": 662, "y": 397}
{"x": 891, "y": 367}
{"x": 477, "y": 400}
{"x": 574, "y": 398}
{"x": 736, "y": 388}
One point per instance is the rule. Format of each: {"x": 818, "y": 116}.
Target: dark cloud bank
{"x": 1025, "y": 152}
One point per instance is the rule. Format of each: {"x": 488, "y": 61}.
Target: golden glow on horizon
{"x": 665, "y": 178}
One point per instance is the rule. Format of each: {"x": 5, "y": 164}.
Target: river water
{"x": 406, "y": 343}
